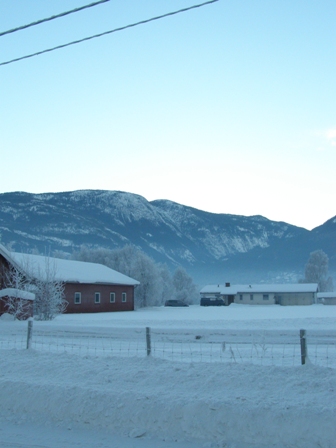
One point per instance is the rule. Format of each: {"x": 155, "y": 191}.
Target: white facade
{"x": 255, "y": 298}
{"x": 263, "y": 294}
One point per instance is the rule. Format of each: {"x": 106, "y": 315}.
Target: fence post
{"x": 148, "y": 341}
{"x": 30, "y": 332}
{"x": 303, "y": 344}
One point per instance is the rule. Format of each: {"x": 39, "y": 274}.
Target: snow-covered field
{"x": 105, "y": 398}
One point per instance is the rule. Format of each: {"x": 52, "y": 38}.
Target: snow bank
{"x": 208, "y": 405}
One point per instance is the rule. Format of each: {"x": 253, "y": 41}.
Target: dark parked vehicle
{"x": 175, "y": 303}
{"x": 218, "y": 301}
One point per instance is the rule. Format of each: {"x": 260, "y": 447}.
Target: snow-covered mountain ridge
{"x": 167, "y": 231}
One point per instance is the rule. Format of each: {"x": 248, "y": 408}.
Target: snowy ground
{"x": 84, "y": 399}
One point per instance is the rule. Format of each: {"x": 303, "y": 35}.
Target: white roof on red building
{"x": 69, "y": 271}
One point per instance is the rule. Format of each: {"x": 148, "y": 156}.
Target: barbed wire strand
{"x": 142, "y": 22}
{"x": 57, "y": 16}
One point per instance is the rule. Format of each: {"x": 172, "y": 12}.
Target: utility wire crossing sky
{"x": 57, "y": 16}
{"x": 84, "y": 39}
{"x": 228, "y": 108}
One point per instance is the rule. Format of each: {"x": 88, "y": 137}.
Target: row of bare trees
{"x": 157, "y": 284}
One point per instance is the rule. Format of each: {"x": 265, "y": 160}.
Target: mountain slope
{"x": 204, "y": 243}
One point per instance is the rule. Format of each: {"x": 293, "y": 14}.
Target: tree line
{"x": 157, "y": 284}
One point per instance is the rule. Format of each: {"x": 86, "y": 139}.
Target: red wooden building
{"x": 88, "y": 287}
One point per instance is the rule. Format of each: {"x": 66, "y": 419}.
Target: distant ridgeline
{"x": 211, "y": 247}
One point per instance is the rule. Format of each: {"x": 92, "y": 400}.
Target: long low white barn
{"x": 260, "y": 294}
{"x": 327, "y": 298}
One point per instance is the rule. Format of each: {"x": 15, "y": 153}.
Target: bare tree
{"x": 49, "y": 292}
{"x": 316, "y": 271}
{"x": 166, "y": 280}
{"x": 148, "y": 293}
{"x": 133, "y": 262}
{"x": 185, "y": 289}
{"x": 15, "y": 303}
{"x": 100, "y": 255}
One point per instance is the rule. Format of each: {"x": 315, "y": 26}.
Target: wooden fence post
{"x": 303, "y": 345}
{"x": 29, "y": 333}
{"x": 148, "y": 341}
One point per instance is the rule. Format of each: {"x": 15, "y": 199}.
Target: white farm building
{"x": 327, "y": 298}
{"x": 262, "y": 294}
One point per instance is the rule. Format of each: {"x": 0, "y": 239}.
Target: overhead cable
{"x": 57, "y": 16}
{"x": 142, "y": 22}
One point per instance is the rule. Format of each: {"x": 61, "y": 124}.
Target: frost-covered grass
{"x": 86, "y": 399}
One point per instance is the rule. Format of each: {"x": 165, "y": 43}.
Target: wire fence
{"x": 267, "y": 354}
{"x": 266, "y": 350}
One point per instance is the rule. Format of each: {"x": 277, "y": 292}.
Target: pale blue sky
{"x": 229, "y": 108}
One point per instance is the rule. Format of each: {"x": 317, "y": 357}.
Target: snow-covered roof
{"x": 69, "y": 271}
{"x": 220, "y": 289}
{"x": 326, "y": 295}
{"x": 19, "y": 293}
{"x": 259, "y": 288}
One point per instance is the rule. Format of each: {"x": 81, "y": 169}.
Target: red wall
{"x": 88, "y": 304}
{"x": 3, "y": 270}
{"x": 27, "y": 309}
{"x": 2, "y": 306}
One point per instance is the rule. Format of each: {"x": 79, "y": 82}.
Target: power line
{"x": 62, "y": 14}
{"x": 142, "y": 22}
